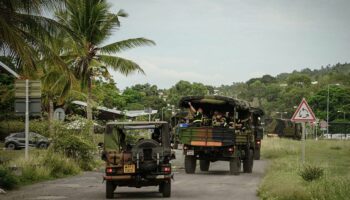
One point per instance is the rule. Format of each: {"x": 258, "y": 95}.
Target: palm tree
{"x": 93, "y": 23}
{"x": 24, "y": 32}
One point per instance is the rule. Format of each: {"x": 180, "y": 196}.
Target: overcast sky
{"x": 223, "y": 41}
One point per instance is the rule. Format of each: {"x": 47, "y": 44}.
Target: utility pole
{"x": 26, "y": 155}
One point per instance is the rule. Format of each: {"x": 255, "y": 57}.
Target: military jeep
{"x": 137, "y": 154}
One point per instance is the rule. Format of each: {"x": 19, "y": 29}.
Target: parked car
{"x": 17, "y": 141}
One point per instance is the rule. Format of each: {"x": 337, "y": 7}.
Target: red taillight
{"x": 185, "y": 147}
{"x": 231, "y": 149}
{"x": 166, "y": 169}
{"x": 109, "y": 170}
{"x": 258, "y": 142}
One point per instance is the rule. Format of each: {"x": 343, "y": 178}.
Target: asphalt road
{"x": 215, "y": 184}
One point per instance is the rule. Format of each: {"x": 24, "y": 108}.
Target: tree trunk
{"x": 88, "y": 106}
{"x": 50, "y": 116}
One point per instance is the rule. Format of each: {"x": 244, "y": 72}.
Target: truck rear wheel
{"x": 165, "y": 188}
{"x": 204, "y": 165}
{"x": 257, "y": 154}
{"x": 190, "y": 164}
{"x": 235, "y": 166}
{"x": 248, "y": 162}
{"x": 110, "y": 187}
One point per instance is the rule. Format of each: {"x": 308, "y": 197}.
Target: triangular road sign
{"x": 303, "y": 113}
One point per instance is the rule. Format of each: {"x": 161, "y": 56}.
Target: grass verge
{"x": 42, "y": 165}
{"x": 284, "y": 177}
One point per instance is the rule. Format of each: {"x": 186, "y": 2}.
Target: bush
{"x": 76, "y": 144}
{"x": 32, "y": 169}
{"x": 310, "y": 172}
{"x": 44, "y": 165}
{"x": 59, "y": 165}
{"x": 7, "y": 179}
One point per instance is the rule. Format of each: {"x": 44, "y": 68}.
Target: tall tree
{"x": 93, "y": 24}
{"x": 24, "y": 32}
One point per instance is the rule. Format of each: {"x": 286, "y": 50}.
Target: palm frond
{"x": 119, "y": 46}
{"x": 122, "y": 65}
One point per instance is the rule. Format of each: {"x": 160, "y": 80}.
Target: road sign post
{"x": 30, "y": 93}
{"x": 26, "y": 156}
{"x": 303, "y": 114}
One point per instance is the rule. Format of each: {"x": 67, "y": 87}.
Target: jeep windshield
{"x": 123, "y": 136}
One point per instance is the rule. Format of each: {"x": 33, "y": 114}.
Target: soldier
{"x": 218, "y": 119}
{"x": 197, "y": 114}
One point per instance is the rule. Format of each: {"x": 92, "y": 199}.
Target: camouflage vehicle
{"x": 233, "y": 142}
{"x": 283, "y": 128}
{"x": 257, "y": 129}
{"x": 137, "y": 154}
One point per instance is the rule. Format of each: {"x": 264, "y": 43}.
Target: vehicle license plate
{"x": 190, "y": 153}
{"x": 129, "y": 169}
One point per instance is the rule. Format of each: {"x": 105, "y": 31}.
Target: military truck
{"x": 284, "y": 128}
{"x": 137, "y": 154}
{"x": 234, "y": 141}
{"x": 257, "y": 129}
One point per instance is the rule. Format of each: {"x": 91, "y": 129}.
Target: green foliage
{"x": 311, "y": 172}
{"x": 329, "y": 170}
{"x": 24, "y": 32}
{"x": 107, "y": 94}
{"x": 185, "y": 88}
{"x": 7, "y": 179}
{"x": 75, "y": 142}
{"x": 339, "y": 100}
{"x": 43, "y": 165}
{"x": 33, "y": 170}
{"x": 93, "y": 23}
{"x": 285, "y": 91}
{"x": 6, "y": 95}
{"x": 13, "y": 126}
{"x": 59, "y": 165}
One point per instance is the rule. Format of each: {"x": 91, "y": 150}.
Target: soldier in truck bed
{"x": 197, "y": 114}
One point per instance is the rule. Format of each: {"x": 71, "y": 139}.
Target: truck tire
{"x": 110, "y": 187}
{"x": 248, "y": 161}
{"x": 190, "y": 164}
{"x": 166, "y": 188}
{"x": 257, "y": 154}
{"x": 235, "y": 166}
{"x": 204, "y": 165}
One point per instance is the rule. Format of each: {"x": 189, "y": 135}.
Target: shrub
{"x": 59, "y": 165}
{"x": 44, "y": 165}
{"x": 75, "y": 143}
{"x": 32, "y": 169}
{"x": 310, "y": 172}
{"x": 7, "y": 179}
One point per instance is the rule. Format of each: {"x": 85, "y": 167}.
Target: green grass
{"x": 283, "y": 180}
{"x": 9, "y": 155}
{"x": 41, "y": 165}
